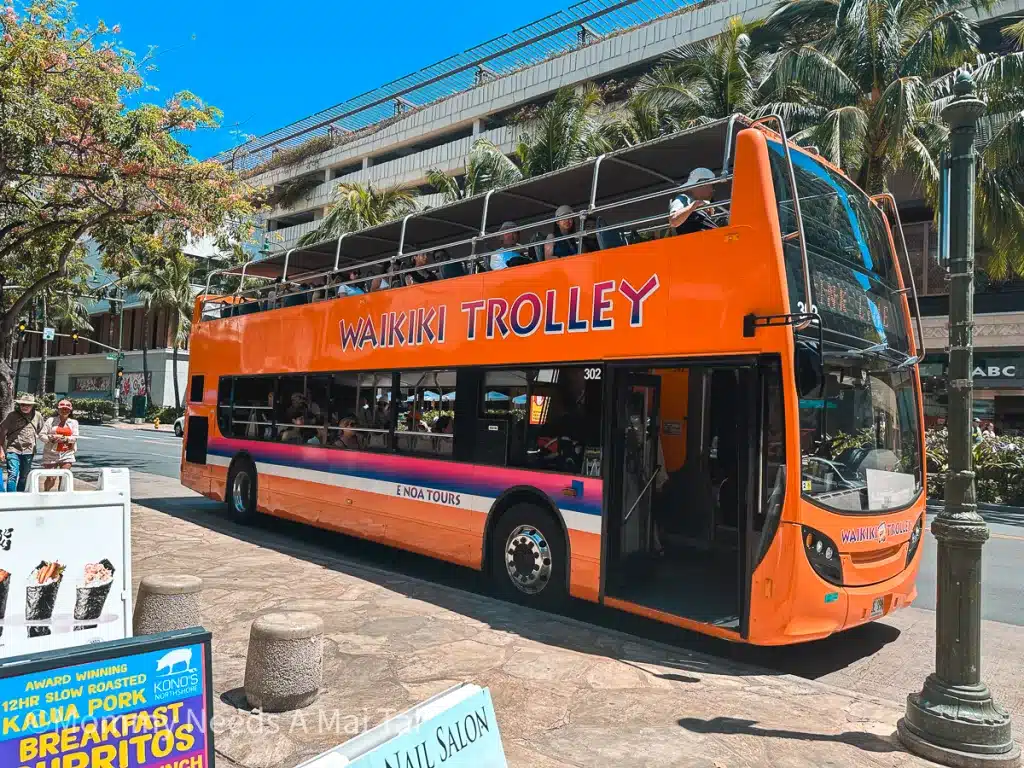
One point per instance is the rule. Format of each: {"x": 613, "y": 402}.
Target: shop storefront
{"x": 998, "y": 389}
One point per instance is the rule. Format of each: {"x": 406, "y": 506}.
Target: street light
{"x": 954, "y": 720}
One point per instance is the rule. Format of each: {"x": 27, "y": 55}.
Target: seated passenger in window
{"x": 348, "y": 287}
{"x": 294, "y": 433}
{"x": 422, "y": 273}
{"x": 444, "y": 425}
{"x": 347, "y": 436}
{"x": 566, "y": 225}
{"x": 509, "y": 255}
{"x": 453, "y": 269}
{"x": 684, "y": 214}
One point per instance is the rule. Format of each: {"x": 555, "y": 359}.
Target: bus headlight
{"x": 823, "y": 555}
{"x": 915, "y": 539}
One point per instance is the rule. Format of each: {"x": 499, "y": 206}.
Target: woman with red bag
{"x": 59, "y": 436}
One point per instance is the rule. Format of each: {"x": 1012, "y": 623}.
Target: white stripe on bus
{"x": 575, "y": 521}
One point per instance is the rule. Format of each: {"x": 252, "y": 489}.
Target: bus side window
{"x": 426, "y": 414}
{"x": 252, "y": 415}
{"x": 291, "y": 410}
{"x": 563, "y": 421}
{"x": 499, "y": 438}
{"x": 224, "y": 405}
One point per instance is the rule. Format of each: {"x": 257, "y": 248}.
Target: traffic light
{"x": 74, "y": 338}
{"x": 22, "y": 327}
{"x": 120, "y": 373}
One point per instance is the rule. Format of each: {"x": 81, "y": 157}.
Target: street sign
{"x": 112, "y": 356}
{"x": 48, "y": 334}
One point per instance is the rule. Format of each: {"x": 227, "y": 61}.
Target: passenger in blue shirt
{"x": 509, "y": 255}
{"x": 352, "y": 288}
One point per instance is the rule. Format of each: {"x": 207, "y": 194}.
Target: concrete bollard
{"x": 284, "y": 667}
{"x": 167, "y": 602}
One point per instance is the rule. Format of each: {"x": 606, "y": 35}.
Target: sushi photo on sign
{"x": 41, "y": 595}
{"x": 91, "y": 594}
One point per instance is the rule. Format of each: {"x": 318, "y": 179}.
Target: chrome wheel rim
{"x": 528, "y": 559}
{"x": 240, "y": 492}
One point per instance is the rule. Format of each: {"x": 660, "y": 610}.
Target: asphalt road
{"x": 157, "y": 453}
{"x": 1002, "y": 569}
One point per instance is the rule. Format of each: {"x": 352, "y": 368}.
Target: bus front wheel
{"x": 528, "y": 557}
{"x": 241, "y": 491}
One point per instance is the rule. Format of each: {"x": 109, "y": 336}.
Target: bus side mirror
{"x": 809, "y": 374}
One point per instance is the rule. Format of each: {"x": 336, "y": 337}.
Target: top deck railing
{"x": 581, "y": 24}
{"x": 388, "y": 269}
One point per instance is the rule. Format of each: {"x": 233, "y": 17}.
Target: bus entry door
{"x": 638, "y": 400}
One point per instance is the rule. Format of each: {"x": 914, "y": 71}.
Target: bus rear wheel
{"x": 528, "y": 557}
{"x": 241, "y": 491}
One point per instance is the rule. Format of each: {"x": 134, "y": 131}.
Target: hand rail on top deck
{"x": 888, "y": 198}
{"x": 337, "y": 251}
{"x": 808, "y": 296}
{"x": 474, "y": 257}
{"x": 730, "y": 129}
{"x": 284, "y": 272}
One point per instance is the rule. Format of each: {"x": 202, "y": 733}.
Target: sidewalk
{"x": 566, "y": 693}
{"x": 146, "y": 426}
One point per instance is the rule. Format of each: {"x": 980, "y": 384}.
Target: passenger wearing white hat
{"x": 509, "y": 255}
{"x": 565, "y": 225}
{"x": 18, "y": 435}
{"x": 686, "y": 212}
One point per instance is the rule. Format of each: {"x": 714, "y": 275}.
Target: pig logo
{"x": 172, "y": 659}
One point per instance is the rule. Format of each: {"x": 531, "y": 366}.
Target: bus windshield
{"x": 854, "y": 279}
{"x": 859, "y": 438}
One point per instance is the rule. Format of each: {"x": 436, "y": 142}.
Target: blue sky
{"x": 266, "y": 64}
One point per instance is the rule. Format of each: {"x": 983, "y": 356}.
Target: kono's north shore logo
{"x": 552, "y": 314}
{"x": 880, "y": 533}
{"x": 176, "y": 676}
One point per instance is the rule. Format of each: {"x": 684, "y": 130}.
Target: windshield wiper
{"x": 875, "y": 350}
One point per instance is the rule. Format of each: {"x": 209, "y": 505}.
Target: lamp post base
{"x": 959, "y": 726}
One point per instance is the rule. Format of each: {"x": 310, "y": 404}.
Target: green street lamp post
{"x": 954, "y": 720}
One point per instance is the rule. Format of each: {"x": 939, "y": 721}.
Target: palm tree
{"x": 167, "y": 285}
{"x": 640, "y": 120}
{"x": 876, "y": 73}
{"x": 566, "y": 130}
{"x": 358, "y": 206}
{"x": 716, "y": 77}
{"x": 487, "y": 168}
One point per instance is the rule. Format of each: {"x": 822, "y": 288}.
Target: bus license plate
{"x": 877, "y": 607}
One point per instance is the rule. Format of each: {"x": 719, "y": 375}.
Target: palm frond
{"x": 945, "y": 42}
{"x": 444, "y": 184}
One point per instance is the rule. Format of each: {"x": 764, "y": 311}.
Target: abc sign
{"x": 996, "y": 372}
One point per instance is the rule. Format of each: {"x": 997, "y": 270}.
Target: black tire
{"x": 240, "y": 493}
{"x": 178, "y": 431}
{"x": 536, "y": 544}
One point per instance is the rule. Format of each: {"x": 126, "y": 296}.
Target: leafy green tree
{"x": 487, "y": 167}
{"x": 565, "y": 131}
{"x": 876, "y": 73}
{"x": 77, "y": 162}
{"x": 357, "y": 206}
{"x": 638, "y": 121}
{"x": 168, "y": 287}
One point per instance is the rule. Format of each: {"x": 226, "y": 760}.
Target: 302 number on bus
{"x": 591, "y": 374}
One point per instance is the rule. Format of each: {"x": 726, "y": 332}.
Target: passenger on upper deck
{"x": 566, "y": 225}
{"x": 685, "y": 214}
{"x": 509, "y": 255}
{"x": 421, "y": 275}
{"x": 351, "y": 288}
{"x": 455, "y": 269}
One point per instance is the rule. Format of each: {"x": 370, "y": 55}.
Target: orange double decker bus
{"x": 717, "y": 425}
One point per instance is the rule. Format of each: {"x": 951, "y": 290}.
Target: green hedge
{"x": 998, "y": 466}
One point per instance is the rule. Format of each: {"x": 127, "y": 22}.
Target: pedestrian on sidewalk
{"x": 18, "y": 435}
{"x": 60, "y": 438}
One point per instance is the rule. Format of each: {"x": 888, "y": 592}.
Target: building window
{"x": 426, "y": 413}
